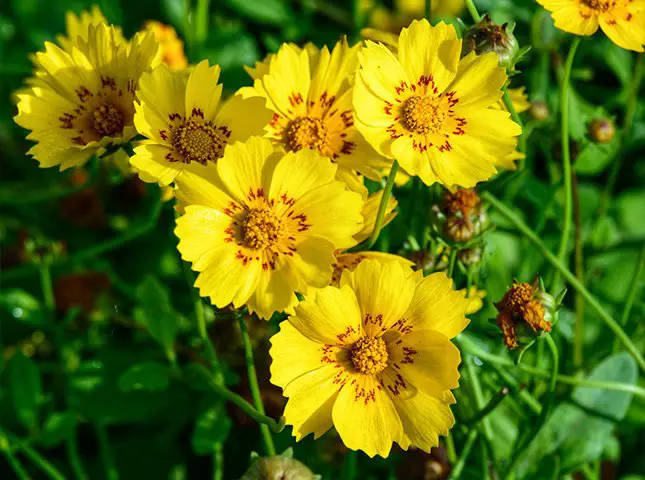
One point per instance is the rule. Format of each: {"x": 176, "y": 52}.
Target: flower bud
{"x": 278, "y": 468}
{"x": 470, "y": 256}
{"x": 486, "y": 36}
{"x": 539, "y": 110}
{"x": 459, "y": 229}
{"x": 602, "y": 130}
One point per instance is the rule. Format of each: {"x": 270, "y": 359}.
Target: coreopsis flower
{"x": 623, "y": 21}
{"x": 77, "y": 29}
{"x": 519, "y": 99}
{"x": 524, "y": 305}
{"x": 310, "y": 94}
{"x": 350, "y": 260}
{"x": 261, "y": 225}
{"x": 475, "y": 300}
{"x": 430, "y": 110}
{"x": 372, "y": 358}
{"x": 459, "y": 216}
{"x": 279, "y": 467}
{"x": 370, "y": 212}
{"x": 171, "y": 48}
{"x": 486, "y": 36}
{"x": 83, "y": 101}
{"x": 186, "y": 122}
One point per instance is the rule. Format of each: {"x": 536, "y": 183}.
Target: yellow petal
{"x": 312, "y": 263}
{"x": 384, "y": 292}
{"x": 370, "y": 211}
{"x": 478, "y": 83}
{"x": 274, "y": 293}
{"x": 244, "y": 117}
{"x": 381, "y": 72}
{"x": 365, "y": 417}
{"x": 203, "y": 93}
{"x": 436, "y": 306}
{"x": 155, "y": 161}
{"x": 628, "y": 34}
{"x": 201, "y": 185}
{"x": 570, "y": 19}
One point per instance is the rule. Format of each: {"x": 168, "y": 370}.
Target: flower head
{"x": 523, "y": 305}
{"x": 310, "y": 94}
{"x": 623, "y": 21}
{"x": 486, "y": 36}
{"x": 83, "y": 101}
{"x": 349, "y": 262}
{"x": 187, "y": 124}
{"x": 279, "y": 467}
{"x": 77, "y": 29}
{"x": 372, "y": 358}
{"x": 261, "y": 225}
{"x": 171, "y": 48}
{"x": 430, "y": 110}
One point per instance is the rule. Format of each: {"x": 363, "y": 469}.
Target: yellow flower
{"x": 623, "y": 21}
{"x": 171, "y": 47}
{"x": 372, "y": 358}
{"x": 83, "y": 101}
{"x": 370, "y": 211}
{"x": 310, "y": 93}
{"x": 77, "y": 29}
{"x": 475, "y": 300}
{"x": 349, "y": 262}
{"x": 261, "y": 225}
{"x": 430, "y": 110}
{"x": 185, "y": 123}
{"x": 519, "y": 99}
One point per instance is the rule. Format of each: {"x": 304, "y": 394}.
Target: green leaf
{"x": 150, "y": 376}
{"x": 22, "y": 306}
{"x": 156, "y": 313}
{"x": 232, "y": 49}
{"x": 617, "y": 59}
{"x": 58, "y": 427}
{"x": 595, "y": 157}
{"x": 25, "y": 386}
{"x": 212, "y": 427}
{"x": 272, "y": 12}
{"x": 631, "y": 212}
{"x": 579, "y": 431}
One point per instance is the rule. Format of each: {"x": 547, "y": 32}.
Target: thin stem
{"x": 569, "y": 277}
{"x": 387, "y": 191}
{"x": 46, "y": 286}
{"x": 461, "y": 462}
{"x": 105, "y": 451}
{"x": 472, "y": 9}
{"x": 470, "y": 347}
{"x": 450, "y": 449}
{"x": 237, "y": 400}
{"x": 508, "y": 103}
{"x": 357, "y": 20}
{"x": 452, "y": 262}
{"x": 529, "y": 400}
{"x": 74, "y": 457}
{"x": 633, "y": 290}
{"x": 350, "y": 466}
{"x": 428, "y": 10}
{"x": 566, "y": 154}
{"x": 188, "y": 34}
{"x": 492, "y": 405}
{"x": 40, "y": 461}
{"x": 578, "y": 344}
{"x": 479, "y": 401}
{"x": 15, "y": 464}
{"x": 201, "y": 22}
{"x": 254, "y": 386}
{"x": 218, "y": 462}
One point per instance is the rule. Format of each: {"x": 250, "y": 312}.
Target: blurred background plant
{"x": 100, "y": 327}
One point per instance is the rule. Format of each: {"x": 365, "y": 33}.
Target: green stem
{"x": 188, "y": 33}
{"x": 47, "y": 287}
{"x": 492, "y": 405}
{"x": 452, "y": 262}
{"x": 387, "y": 191}
{"x": 479, "y": 401}
{"x": 357, "y": 20}
{"x": 472, "y": 9}
{"x": 470, "y": 347}
{"x": 508, "y": 103}
{"x": 201, "y": 23}
{"x": 39, "y": 460}
{"x": 74, "y": 457}
{"x": 566, "y": 155}
{"x": 237, "y": 400}
{"x": 218, "y": 462}
{"x": 15, "y": 464}
{"x": 450, "y": 449}
{"x": 578, "y": 343}
{"x": 428, "y": 10}
{"x": 633, "y": 290}
{"x": 350, "y": 465}
{"x": 461, "y": 462}
{"x": 519, "y": 389}
{"x": 105, "y": 451}
{"x": 569, "y": 277}
{"x": 255, "y": 387}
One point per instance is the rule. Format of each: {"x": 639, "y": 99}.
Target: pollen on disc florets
{"x": 369, "y": 355}
{"x": 423, "y": 115}
{"x": 199, "y": 142}
{"x": 599, "y": 5}
{"x": 307, "y": 132}
{"x": 108, "y": 120}
{"x": 262, "y": 229}
{"x": 519, "y": 295}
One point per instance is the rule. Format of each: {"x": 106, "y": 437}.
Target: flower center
{"x": 307, "y": 132}
{"x": 519, "y": 295}
{"x": 108, "y": 120}
{"x": 599, "y": 5}
{"x": 262, "y": 229}
{"x": 199, "y": 142}
{"x": 423, "y": 115}
{"x": 369, "y": 355}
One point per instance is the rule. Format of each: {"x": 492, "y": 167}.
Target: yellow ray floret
{"x": 83, "y": 101}
{"x": 261, "y": 225}
{"x": 310, "y": 94}
{"x": 186, "y": 122}
{"x": 431, "y": 111}
{"x": 623, "y": 21}
{"x": 373, "y": 358}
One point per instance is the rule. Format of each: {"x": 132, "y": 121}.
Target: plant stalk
{"x": 387, "y": 191}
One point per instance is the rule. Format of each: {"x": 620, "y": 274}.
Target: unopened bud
{"x": 486, "y": 36}
{"x": 278, "y": 468}
{"x": 602, "y": 130}
{"x": 470, "y": 256}
{"x": 459, "y": 229}
{"x": 539, "y": 110}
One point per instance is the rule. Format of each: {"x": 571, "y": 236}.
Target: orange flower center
{"x": 424, "y": 115}
{"x": 262, "y": 229}
{"x": 199, "y": 142}
{"x": 463, "y": 200}
{"x": 519, "y": 295}
{"x": 307, "y": 132}
{"x": 369, "y": 355}
{"x": 599, "y": 5}
{"x": 107, "y": 120}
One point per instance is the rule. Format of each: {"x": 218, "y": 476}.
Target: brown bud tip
{"x": 539, "y": 111}
{"x": 459, "y": 229}
{"x": 602, "y": 130}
